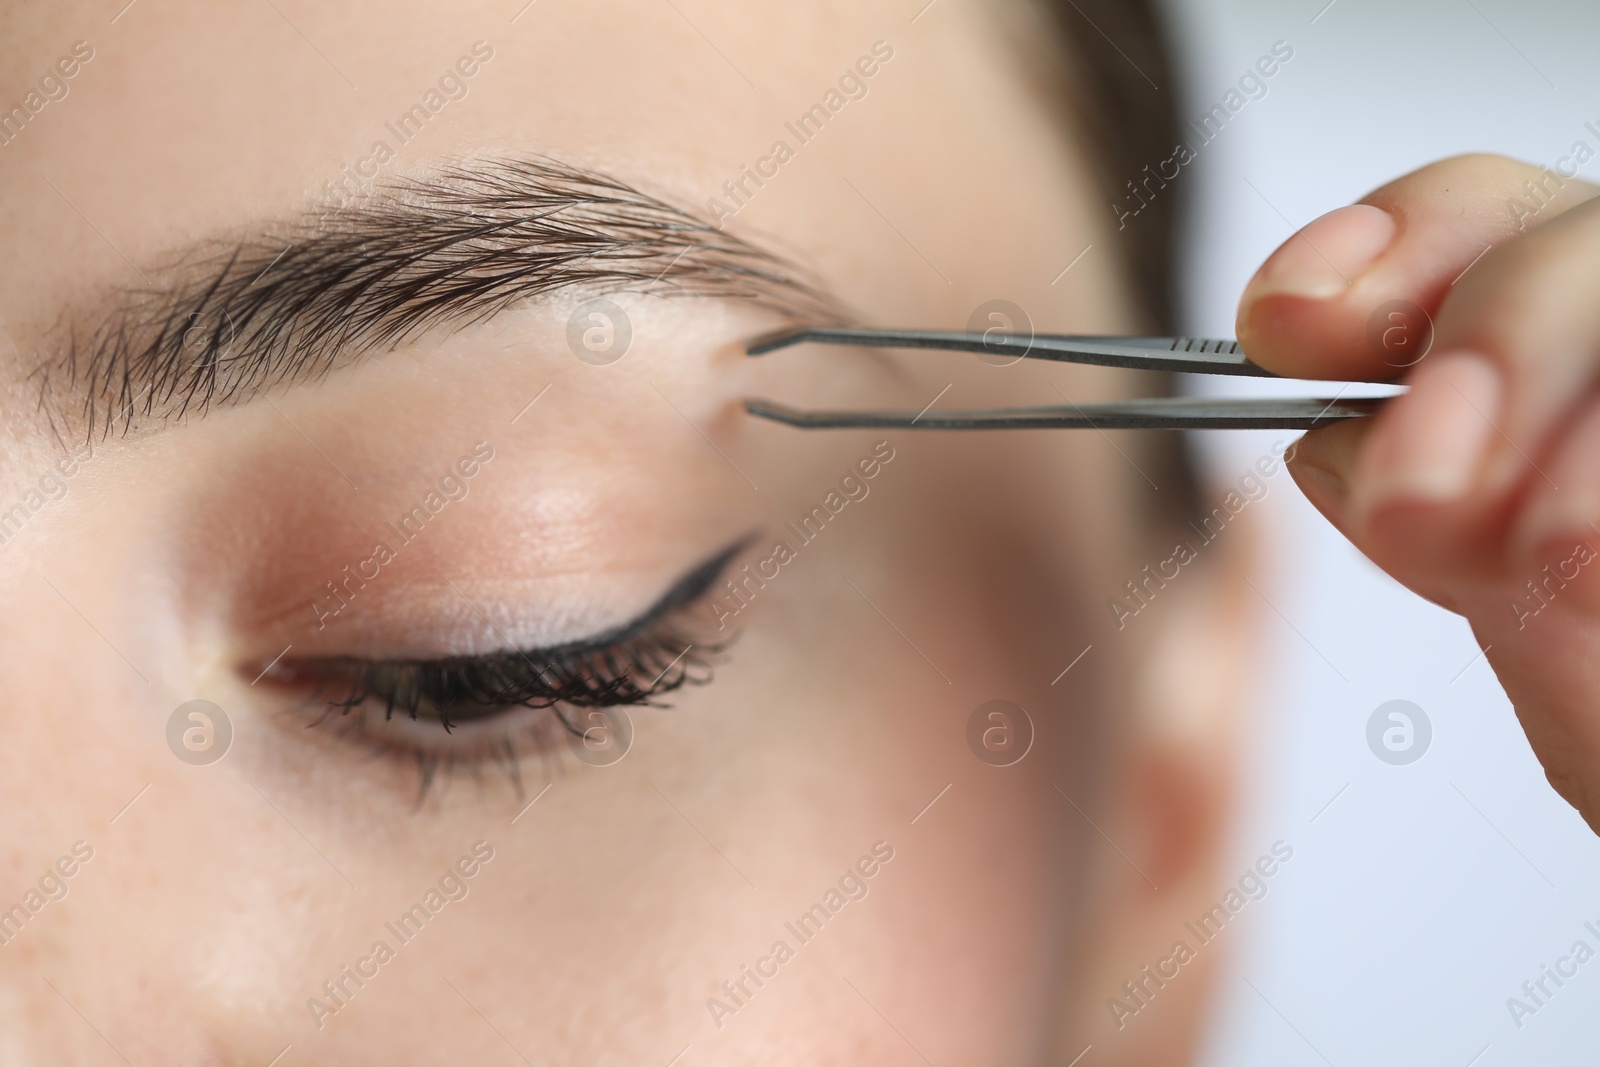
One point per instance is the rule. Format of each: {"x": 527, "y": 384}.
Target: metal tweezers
{"x": 1188, "y": 355}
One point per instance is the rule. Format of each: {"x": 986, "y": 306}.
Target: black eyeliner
{"x": 605, "y": 669}
{"x": 686, "y": 590}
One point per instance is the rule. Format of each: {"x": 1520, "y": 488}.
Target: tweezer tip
{"x": 771, "y": 342}
{"x": 765, "y": 409}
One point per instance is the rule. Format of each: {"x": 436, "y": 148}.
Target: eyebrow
{"x": 229, "y": 318}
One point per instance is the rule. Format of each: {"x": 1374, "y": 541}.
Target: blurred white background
{"x": 1422, "y": 897}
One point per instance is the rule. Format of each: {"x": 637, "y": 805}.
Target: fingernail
{"x": 1324, "y": 462}
{"x": 1330, "y": 487}
{"x": 1431, "y": 442}
{"x": 1327, "y": 255}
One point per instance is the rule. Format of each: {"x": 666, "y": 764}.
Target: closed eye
{"x": 493, "y": 706}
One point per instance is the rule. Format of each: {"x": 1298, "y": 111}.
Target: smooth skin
{"x": 1483, "y": 478}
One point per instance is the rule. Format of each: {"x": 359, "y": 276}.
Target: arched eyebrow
{"x": 227, "y": 319}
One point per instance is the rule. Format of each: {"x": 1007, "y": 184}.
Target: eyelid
{"x": 494, "y": 642}
{"x": 496, "y": 699}
{"x": 691, "y": 587}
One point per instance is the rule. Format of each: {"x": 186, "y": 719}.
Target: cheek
{"x": 702, "y": 812}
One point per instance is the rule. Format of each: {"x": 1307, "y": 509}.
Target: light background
{"x": 1424, "y": 895}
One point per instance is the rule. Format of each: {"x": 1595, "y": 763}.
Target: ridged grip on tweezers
{"x": 1187, "y": 354}
{"x": 1153, "y": 413}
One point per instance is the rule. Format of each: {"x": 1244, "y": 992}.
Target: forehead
{"x": 193, "y": 117}
{"x": 190, "y": 117}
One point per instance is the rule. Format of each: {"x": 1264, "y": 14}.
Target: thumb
{"x": 1350, "y": 296}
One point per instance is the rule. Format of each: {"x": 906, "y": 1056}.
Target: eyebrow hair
{"x": 227, "y": 319}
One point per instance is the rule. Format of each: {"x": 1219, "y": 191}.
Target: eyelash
{"x": 589, "y": 675}
{"x": 633, "y": 665}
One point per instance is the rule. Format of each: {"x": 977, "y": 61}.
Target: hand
{"x": 1480, "y": 488}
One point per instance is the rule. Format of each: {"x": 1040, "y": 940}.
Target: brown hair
{"x": 1119, "y": 90}
{"x": 1124, "y": 105}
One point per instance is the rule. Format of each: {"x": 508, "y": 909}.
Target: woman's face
{"x": 508, "y": 477}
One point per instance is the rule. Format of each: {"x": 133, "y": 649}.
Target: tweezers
{"x": 1185, "y": 354}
